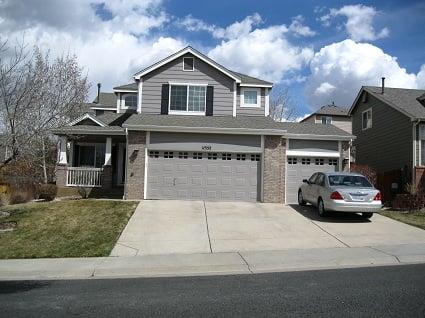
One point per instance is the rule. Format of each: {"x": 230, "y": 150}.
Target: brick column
{"x": 136, "y": 142}
{"x": 106, "y": 177}
{"x": 61, "y": 174}
{"x": 274, "y": 169}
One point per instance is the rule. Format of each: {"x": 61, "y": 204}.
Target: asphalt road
{"x": 395, "y": 291}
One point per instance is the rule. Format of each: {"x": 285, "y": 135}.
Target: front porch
{"x": 95, "y": 163}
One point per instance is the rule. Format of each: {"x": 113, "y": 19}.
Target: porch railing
{"x": 84, "y": 177}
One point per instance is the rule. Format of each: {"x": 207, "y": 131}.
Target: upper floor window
{"x": 130, "y": 100}
{"x": 188, "y": 98}
{"x": 250, "y": 97}
{"x": 326, "y": 120}
{"x": 367, "y": 119}
{"x": 188, "y": 64}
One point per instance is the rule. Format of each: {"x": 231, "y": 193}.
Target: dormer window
{"x": 130, "y": 101}
{"x": 326, "y": 120}
{"x": 188, "y": 64}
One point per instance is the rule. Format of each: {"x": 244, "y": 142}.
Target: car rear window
{"x": 349, "y": 181}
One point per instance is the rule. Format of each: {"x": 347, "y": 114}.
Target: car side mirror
{"x": 306, "y": 181}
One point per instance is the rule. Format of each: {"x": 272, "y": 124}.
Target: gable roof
{"x": 238, "y": 77}
{"x": 330, "y": 110}
{"x": 127, "y": 87}
{"x": 404, "y": 100}
{"x": 89, "y": 116}
{"x": 106, "y": 100}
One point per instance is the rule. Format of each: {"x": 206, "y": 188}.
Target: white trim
{"x": 103, "y": 108}
{"x": 256, "y": 85}
{"x": 267, "y": 105}
{"x": 193, "y": 63}
{"x": 145, "y": 181}
{"x": 62, "y": 150}
{"x": 242, "y": 97}
{"x": 125, "y": 90}
{"x": 179, "y": 54}
{"x": 262, "y": 169}
{"x": 186, "y": 112}
{"x": 139, "y": 96}
{"x": 123, "y": 100}
{"x": 349, "y": 156}
{"x": 286, "y": 169}
{"x": 186, "y": 83}
{"x": 87, "y": 116}
{"x": 108, "y": 151}
{"x": 118, "y": 102}
{"x": 235, "y": 89}
{"x": 126, "y": 164}
{"x": 307, "y": 153}
{"x": 317, "y": 137}
{"x": 365, "y": 111}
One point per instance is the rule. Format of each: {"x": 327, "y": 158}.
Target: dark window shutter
{"x": 210, "y": 98}
{"x": 164, "y": 98}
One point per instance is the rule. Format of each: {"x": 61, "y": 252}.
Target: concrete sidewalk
{"x": 249, "y": 262}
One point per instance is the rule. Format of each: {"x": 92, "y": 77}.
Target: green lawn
{"x": 415, "y": 218}
{"x": 75, "y": 228}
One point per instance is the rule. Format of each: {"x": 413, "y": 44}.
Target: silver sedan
{"x": 342, "y": 192}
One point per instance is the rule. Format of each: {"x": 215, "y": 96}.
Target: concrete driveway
{"x": 169, "y": 227}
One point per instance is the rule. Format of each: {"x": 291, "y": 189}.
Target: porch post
{"x": 62, "y": 150}
{"x": 341, "y": 156}
{"x": 71, "y": 153}
{"x": 108, "y": 151}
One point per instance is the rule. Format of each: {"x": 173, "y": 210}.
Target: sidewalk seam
{"x": 208, "y": 229}
{"x": 247, "y": 265}
{"x": 386, "y": 253}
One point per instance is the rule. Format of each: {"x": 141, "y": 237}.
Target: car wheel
{"x": 300, "y": 198}
{"x": 367, "y": 215}
{"x": 321, "y": 208}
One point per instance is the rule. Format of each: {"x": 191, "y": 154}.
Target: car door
{"x": 317, "y": 189}
{"x": 307, "y": 193}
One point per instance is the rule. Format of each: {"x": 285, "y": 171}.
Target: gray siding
{"x": 300, "y": 144}
{"x": 204, "y": 142}
{"x": 388, "y": 144}
{"x": 250, "y": 111}
{"x": 173, "y": 72}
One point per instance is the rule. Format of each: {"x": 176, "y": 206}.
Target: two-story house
{"x": 331, "y": 115}
{"x": 189, "y": 128}
{"x": 389, "y": 124}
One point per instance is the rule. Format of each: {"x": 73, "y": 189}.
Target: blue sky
{"x": 321, "y": 51}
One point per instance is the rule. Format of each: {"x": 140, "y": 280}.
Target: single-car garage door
{"x": 203, "y": 176}
{"x": 299, "y": 168}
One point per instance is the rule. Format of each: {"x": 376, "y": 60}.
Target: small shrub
{"x": 21, "y": 194}
{"x": 83, "y": 192}
{"x": 48, "y": 192}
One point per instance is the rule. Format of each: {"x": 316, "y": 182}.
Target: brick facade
{"x": 274, "y": 169}
{"x": 134, "y": 188}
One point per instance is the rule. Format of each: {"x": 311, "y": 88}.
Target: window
{"x": 333, "y": 162}
{"x": 90, "y": 155}
{"x": 188, "y": 64}
{"x": 349, "y": 181}
{"x": 188, "y": 98}
{"x": 367, "y": 119}
{"x": 313, "y": 177}
{"x": 168, "y": 154}
{"x": 292, "y": 161}
{"x": 154, "y": 154}
{"x": 212, "y": 156}
{"x": 326, "y": 120}
{"x": 226, "y": 156}
{"x": 197, "y": 155}
{"x": 320, "y": 180}
{"x": 320, "y": 162}
{"x": 305, "y": 161}
{"x": 130, "y": 100}
{"x": 255, "y": 157}
{"x": 183, "y": 155}
{"x": 250, "y": 97}
{"x": 241, "y": 156}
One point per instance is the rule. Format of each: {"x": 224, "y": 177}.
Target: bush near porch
{"x": 75, "y": 228}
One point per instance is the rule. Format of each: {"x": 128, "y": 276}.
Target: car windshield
{"x": 349, "y": 181}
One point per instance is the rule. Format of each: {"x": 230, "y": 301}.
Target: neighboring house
{"x": 389, "y": 124}
{"x": 189, "y": 128}
{"x": 337, "y": 116}
{"x": 333, "y": 115}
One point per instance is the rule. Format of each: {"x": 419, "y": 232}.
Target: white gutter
{"x": 318, "y": 137}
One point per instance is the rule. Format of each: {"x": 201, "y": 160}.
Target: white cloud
{"x": 340, "y": 69}
{"x": 299, "y": 29}
{"x": 299, "y": 118}
{"x": 359, "y": 24}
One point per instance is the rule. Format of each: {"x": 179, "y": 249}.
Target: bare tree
{"x": 37, "y": 93}
{"x": 281, "y": 105}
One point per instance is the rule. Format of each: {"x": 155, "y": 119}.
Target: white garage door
{"x": 203, "y": 176}
{"x": 299, "y": 168}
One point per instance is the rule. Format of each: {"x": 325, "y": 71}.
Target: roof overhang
{"x": 256, "y": 85}
{"x": 208, "y": 130}
{"x": 319, "y": 137}
{"x": 103, "y": 108}
{"x": 88, "y": 116}
{"x": 125, "y": 90}
{"x": 186, "y": 50}
{"x": 60, "y": 132}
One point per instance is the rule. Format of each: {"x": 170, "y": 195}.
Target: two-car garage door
{"x": 213, "y": 176}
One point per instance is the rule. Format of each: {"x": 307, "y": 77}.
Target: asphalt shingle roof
{"x": 333, "y": 110}
{"x": 106, "y": 100}
{"x": 312, "y": 129}
{"x": 403, "y": 99}
{"x": 246, "y": 79}
{"x": 113, "y": 119}
{"x": 82, "y": 129}
{"x": 129, "y": 87}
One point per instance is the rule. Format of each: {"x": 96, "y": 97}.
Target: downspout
{"x": 414, "y": 135}
{"x": 126, "y": 164}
